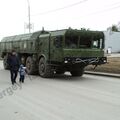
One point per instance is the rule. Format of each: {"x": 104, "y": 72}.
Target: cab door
{"x": 43, "y": 45}
{"x": 56, "y": 48}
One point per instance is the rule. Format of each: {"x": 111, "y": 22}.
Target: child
{"x": 22, "y": 72}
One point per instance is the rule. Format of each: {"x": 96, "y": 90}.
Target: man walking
{"x": 13, "y": 62}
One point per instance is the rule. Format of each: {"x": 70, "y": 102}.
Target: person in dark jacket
{"x": 13, "y": 62}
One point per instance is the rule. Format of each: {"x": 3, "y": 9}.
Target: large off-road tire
{"x": 79, "y": 72}
{"x": 30, "y": 65}
{"x": 23, "y": 60}
{"x": 5, "y": 64}
{"x": 45, "y": 70}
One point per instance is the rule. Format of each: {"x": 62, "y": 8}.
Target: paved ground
{"x": 61, "y": 98}
{"x": 113, "y": 55}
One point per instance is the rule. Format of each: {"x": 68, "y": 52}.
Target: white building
{"x": 112, "y": 41}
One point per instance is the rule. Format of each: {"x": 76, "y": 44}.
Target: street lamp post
{"x": 29, "y": 24}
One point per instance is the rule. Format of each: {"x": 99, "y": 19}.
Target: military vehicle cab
{"x": 55, "y": 52}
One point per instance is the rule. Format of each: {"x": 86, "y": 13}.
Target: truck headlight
{"x": 65, "y": 61}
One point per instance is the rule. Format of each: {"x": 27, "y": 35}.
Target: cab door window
{"x": 58, "y": 41}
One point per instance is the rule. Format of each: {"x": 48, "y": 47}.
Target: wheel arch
{"x": 42, "y": 55}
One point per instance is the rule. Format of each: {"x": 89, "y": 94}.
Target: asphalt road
{"x": 62, "y": 98}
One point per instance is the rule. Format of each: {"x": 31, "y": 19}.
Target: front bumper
{"x": 85, "y": 61}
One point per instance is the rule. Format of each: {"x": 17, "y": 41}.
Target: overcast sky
{"x": 93, "y": 14}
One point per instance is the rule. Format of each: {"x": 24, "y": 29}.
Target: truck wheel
{"x": 45, "y": 70}
{"x": 23, "y": 60}
{"x": 30, "y": 65}
{"x": 77, "y": 72}
{"x": 5, "y": 64}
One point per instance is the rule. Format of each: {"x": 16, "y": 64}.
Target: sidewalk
{"x": 113, "y": 55}
{"x": 103, "y": 74}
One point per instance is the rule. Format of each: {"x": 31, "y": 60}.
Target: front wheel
{"x": 30, "y": 65}
{"x": 79, "y": 72}
{"x": 45, "y": 70}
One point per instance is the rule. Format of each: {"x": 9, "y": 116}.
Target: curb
{"x": 103, "y": 74}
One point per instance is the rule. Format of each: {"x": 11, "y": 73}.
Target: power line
{"x": 61, "y": 8}
{"x": 114, "y": 3}
{"x": 105, "y": 10}
{"x": 77, "y": 3}
{"x": 72, "y": 5}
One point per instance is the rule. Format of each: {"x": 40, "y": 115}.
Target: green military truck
{"x": 55, "y": 52}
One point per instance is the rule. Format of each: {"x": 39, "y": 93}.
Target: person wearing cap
{"x": 13, "y": 62}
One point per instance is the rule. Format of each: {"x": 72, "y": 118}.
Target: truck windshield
{"x": 82, "y": 42}
{"x": 77, "y": 42}
{"x": 98, "y": 43}
{"x": 71, "y": 41}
